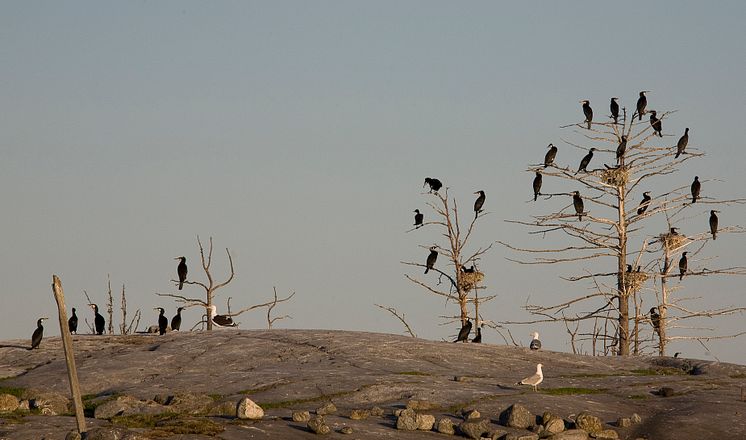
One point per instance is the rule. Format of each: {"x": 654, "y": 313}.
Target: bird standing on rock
{"x": 535, "y": 342}
{"x": 551, "y": 154}
{"x": 176, "y": 320}
{"x": 431, "y": 259}
{"x": 98, "y": 320}
{"x": 479, "y": 202}
{"x": 478, "y": 338}
{"x": 435, "y": 184}
{"x": 463, "y": 334}
{"x": 588, "y": 112}
{"x": 72, "y": 323}
{"x": 181, "y": 270}
{"x": 535, "y": 379}
{"x": 714, "y": 224}
{"x": 162, "y": 320}
{"x": 537, "y": 185}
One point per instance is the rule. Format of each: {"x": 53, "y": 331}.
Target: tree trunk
{"x": 662, "y": 308}
{"x": 623, "y": 294}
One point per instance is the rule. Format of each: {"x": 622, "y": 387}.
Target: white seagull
{"x": 535, "y": 379}
{"x": 221, "y": 320}
{"x": 535, "y": 343}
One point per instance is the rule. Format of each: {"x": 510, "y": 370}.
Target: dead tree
{"x": 597, "y": 233}
{"x": 459, "y": 279}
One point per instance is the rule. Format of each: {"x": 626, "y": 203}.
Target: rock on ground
{"x": 606, "y": 434}
{"x": 247, "y": 409}
{"x": 554, "y": 425}
{"x": 327, "y": 408}
{"x": 517, "y": 416}
{"x": 301, "y": 416}
{"x": 359, "y": 414}
{"x": 425, "y": 422}
{"x": 125, "y": 406}
{"x": 570, "y": 434}
{"x": 474, "y": 428}
{"x": 445, "y": 426}
{"x": 407, "y": 420}
{"x": 8, "y": 403}
{"x": 589, "y": 423}
{"x": 318, "y": 426}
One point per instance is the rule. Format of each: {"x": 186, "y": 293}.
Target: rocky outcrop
{"x": 126, "y": 406}
{"x": 247, "y": 409}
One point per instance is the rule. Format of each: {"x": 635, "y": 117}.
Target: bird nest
{"x": 635, "y": 280}
{"x": 615, "y": 176}
{"x": 470, "y": 279}
{"x": 672, "y": 241}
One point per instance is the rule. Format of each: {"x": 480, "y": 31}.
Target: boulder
{"x": 547, "y": 416}
{"x": 8, "y": 403}
{"x": 407, "y": 420}
{"x": 377, "y": 411}
{"x": 49, "y": 402}
{"x": 317, "y": 425}
{"x": 636, "y": 419}
{"x": 554, "y": 426}
{"x": 301, "y": 416}
{"x": 517, "y": 416}
{"x": 346, "y": 430}
{"x": 624, "y": 422}
{"x": 606, "y": 434}
{"x": 570, "y": 434}
{"x": 247, "y": 409}
{"x": 190, "y": 403}
{"x": 105, "y": 433}
{"x": 474, "y": 428}
{"x": 359, "y": 414}
{"x": 589, "y": 423}
{"x": 425, "y": 422}
{"x": 125, "y": 406}
{"x": 498, "y": 434}
{"x": 327, "y": 408}
{"x": 445, "y": 426}
{"x": 471, "y": 414}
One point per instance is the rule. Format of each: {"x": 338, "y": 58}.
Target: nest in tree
{"x": 672, "y": 241}
{"x": 615, "y": 176}
{"x": 470, "y": 279}
{"x": 634, "y": 280}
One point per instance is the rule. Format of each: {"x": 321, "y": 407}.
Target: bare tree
{"x": 460, "y": 280}
{"x": 598, "y": 229}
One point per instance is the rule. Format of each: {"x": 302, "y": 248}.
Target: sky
{"x": 298, "y": 135}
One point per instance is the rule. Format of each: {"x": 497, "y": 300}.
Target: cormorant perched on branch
{"x": 683, "y": 142}
{"x": 418, "y": 218}
{"x": 537, "y": 185}
{"x": 674, "y": 231}
{"x": 614, "y": 107}
{"x": 629, "y": 268}
{"x": 38, "y": 334}
{"x": 585, "y": 161}
{"x": 656, "y": 123}
{"x": 622, "y": 148}
{"x": 99, "y": 320}
{"x": 463, "y": 334}
{"x": 642, "y": 102}
{"x": 644, "y": 203}
{"x": 714, "y": 224}
{"x": 435, "y": 184}
{"x": 162, "y": 320}
{"x": 464, "y": 269}
{"x": 478, "y": 338}
{"x": 551, "y": 154}
{"x": 683, "y": 264}
{"x": 176, "y": 320}
{"x": 577, "y": 201}
{"x": 431, "y": 258}
{"x": 181, "y": 270}
{"x": 588, "y": 112}
{"x": 479, "y": 202}
{"x": 696, "y": 187}
{"x": 655, "y": 319}
{"x": 72, "y": 323}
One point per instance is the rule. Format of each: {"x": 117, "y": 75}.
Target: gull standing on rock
{"x": 535, "y": 379}
{"x": 535, "y": 342}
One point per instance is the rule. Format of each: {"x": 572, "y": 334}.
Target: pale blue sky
{"x": 299, "y": 133}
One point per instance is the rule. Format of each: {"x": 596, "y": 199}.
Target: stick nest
{"x": 634, "y": 280}
{"x": 672, "y": 241}
{"x": 615, "y": 176}
{"x": 470, "y": 279}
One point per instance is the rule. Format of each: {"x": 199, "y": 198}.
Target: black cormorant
{"x": 431, "y": 258}
{"x": 99, "y": 320}
{"x": 656, "y": 123}
{"x": 676, "y": 355}
{"x": 463, "y": 334}
{"x": 629, "y": 268}
{"x": 162, "y": 320}
{"x": 644, "y": 203}
{"x": 577, "y": 201}
{"x": 478, "y": 338}
{"x": 537, "y": 185}
{"x": 181, "y": 270}
{"x": 588, "y": 112}
{"x": 535, "y": 342}
{"x": 551, "y": 154}
{"x": 674, "y": 231}
{"x": 435, "y": 184}
{"x": 72, "y": 323}
{"x": 621, "y": 148}
{"x": 655, "y": 319}
{"x": 221, "y": 320}
{"x": 683, "y": 264}
{"x": 614, "y": 106}
{"x": 683, "y": 142}
{"x": 38, "y": 334}
{"x": 642, "y": 102}
{"x": 714, "y": 224}
{"x": 176, "y": 320}
{"x": 585, "y": 161}
{"x": 696, "y": 187}
{"x": 418, "y": 218}
{"x": 464, "y": 269}
{"x": 479, "y": 202}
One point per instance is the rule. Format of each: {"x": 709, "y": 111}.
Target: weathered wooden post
{"x": 67, "y": 345}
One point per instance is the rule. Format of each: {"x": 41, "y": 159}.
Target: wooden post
{"x": 67, "y": 345}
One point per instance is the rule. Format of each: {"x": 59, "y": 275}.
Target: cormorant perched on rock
{"x": 683, "y": 142}
{"x": 683, "y": 264}
{"x": 537, "y": 185}
{"x": 642, "y": 102}
{"x": 656, "y": 123}
{"x": 431, "y": 259}
{"x": 478, "y": 338}
{"x": 418, "y": 218}
{"x": 176, "y": 320}
{"x": 577, "y": 201}
{"x": 38, "y": 334}
{"x": 72, "y": 323}
{"x": 644, "y": 203}
{"x": 463, "y": 334}
{"x": 221, "y": 320}
{"x": 162, "y": 320}
{"x": 714, "y": 224}
{"x": 676, "y": 355}
{"x": 479, "y": 202}
{"x": 696, "y": 188}
{"x": 435, "y": 184}
{"x": 181, "y": 270}
{"x": 535, "y": 379}
{"x": 655, "y": 319}
{"x": 99, "y": 320}
{"x": 621, "y": 148}
{"x": 614, "y": 107}
{"x": 535, "y": 342}
{"x": 551, "y": 154}
{"x": 585, "y": 161}
{"x": 588, "y": 112}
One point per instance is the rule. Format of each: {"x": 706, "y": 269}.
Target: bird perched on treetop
{"x": 435, "y": 184}
{"x": 431, "y": 259}
{"x": 479, "y": 202}
{"x": 588, "y": 112}
{"x": 642, "y": 102}
{"x": 614, "y": 107}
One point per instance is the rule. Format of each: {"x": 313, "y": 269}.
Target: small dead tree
{"x": 400, "y": 316}
{"x": 110, "y": 306}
